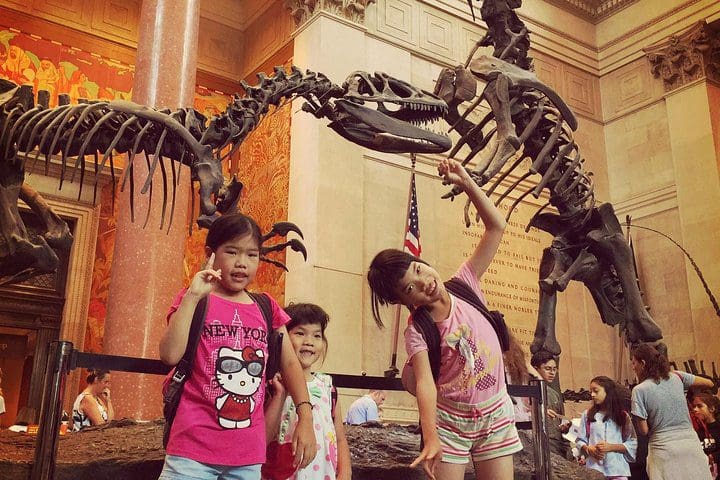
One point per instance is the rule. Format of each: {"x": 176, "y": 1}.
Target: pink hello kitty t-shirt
{"x": 471, "y": 362}
{"x": 220, "y": 417}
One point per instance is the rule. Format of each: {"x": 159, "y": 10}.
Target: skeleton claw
{"x": 274, "y": 262}
{"x": 281, "y": 229}
{"x": 295, "y": 244}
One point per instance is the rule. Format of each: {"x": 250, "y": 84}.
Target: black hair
{"x": 96, "y": 374}
{"x": 613, "y": 405}
{"x": 540, "y": 357}
{"x": 227, "y": 227}
{"x": 386, "y": 270}
{"x": 308, "y": 314}
{"x": 657, "y": 365}
{"x": 712, "y": 402}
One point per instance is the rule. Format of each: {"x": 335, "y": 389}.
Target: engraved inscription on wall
{"x": 511, "y": 281}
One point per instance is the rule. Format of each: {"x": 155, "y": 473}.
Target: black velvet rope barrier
{"x": 63, "y": 358}
{"x": 156, "y": 367}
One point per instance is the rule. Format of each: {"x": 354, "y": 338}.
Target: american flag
{"x": 412, "y": 228}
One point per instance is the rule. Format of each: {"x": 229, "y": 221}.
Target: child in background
{"x": 307, "y": 334}
{"x": 546, "y": 365}
{"x": 518, "y": 373}
{"x": 706, "y": 409}
{"x": 219, "y": 428}
{"x": 467, "y": 413}
{"x": 606, "y": 436}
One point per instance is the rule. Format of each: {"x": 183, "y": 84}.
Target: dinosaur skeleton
{"x": 29, "y": 132}
{"x": 528, "y": 120}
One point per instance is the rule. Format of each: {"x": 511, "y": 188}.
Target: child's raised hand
{"x": 454, "y": 173}
{"x": 204, "y": 280}
{"x": 431, "y": 456}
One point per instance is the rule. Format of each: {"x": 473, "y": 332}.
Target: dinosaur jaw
{"x": 379, "y": 131}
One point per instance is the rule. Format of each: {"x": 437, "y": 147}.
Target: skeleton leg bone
{"x": 609, "y": 243}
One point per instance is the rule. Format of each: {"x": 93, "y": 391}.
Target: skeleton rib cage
{"x": 528, "y": 122}
{"x": 100, "y": 130}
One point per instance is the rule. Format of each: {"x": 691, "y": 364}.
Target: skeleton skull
{"x": 395, "y": 125}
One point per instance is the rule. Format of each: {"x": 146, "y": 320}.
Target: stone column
{"x": 147, "y": 263}
{"x": 689, "y": 68}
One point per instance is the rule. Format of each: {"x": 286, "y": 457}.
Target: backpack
{"x": 424, "y": 323}
{"x": 272, "y": 366}
{"x": 175, "y": 386}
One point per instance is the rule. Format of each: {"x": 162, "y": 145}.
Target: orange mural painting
{"x": 32, "y": 60}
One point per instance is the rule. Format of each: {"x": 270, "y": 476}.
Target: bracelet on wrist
{"x": 297, "y": 405}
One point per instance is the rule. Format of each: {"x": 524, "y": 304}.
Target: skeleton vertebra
{"x": 588, "y": 244}
{"x": 102, "y": 129}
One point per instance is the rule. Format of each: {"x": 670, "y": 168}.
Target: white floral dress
{"x": 324, "y": 466}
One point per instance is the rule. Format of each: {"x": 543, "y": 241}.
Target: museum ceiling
{"x": 592, "y": 10}
{"x": 234, "y": 13}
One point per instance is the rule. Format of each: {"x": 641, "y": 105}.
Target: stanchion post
{"x": 541, "y": 443}
{"x": 50, "y": 412}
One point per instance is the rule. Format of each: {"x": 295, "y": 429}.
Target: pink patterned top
{"x": 222, "y": 404}
{"x": 471, "y": 362}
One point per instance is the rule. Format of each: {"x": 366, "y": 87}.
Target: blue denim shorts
{"x": 181, "y": 468}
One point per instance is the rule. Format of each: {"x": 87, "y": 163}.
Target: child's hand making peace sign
{"x": 204, "y": 280}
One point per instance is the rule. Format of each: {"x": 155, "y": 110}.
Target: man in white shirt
{"x": 365, "y": 408}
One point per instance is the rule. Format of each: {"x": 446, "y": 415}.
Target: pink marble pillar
{"x": 147, "y": 268}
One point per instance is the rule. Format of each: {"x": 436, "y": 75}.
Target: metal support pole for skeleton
{"x": 53, "y": 392}
{"x": 540, "y": 436}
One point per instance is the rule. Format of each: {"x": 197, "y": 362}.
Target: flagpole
{"x": 393, "y": 371}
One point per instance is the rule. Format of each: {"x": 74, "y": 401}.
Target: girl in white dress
{"x": 307, "y": 335}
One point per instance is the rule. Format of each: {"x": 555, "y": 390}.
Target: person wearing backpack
{"x": 606, "y": 437}
{"x": 218, "y": 431}
{"x": 306, "y": 330}
{"x": 455, "y": 350}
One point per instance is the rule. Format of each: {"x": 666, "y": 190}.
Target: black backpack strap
{"x": 423, "y": 323}
{"x": 174, "y": 390}
{"x": 465, "y": 292}
{"x": 272, "y": 365}
{"x": 184, "y": 366}
{"x": 263, "y": 303}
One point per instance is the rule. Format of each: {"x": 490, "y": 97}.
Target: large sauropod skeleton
{"x": 83, "y": 138}
{"x": 528, "y": 120}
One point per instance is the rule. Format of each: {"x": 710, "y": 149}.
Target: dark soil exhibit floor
{"x": 130, "y": 450}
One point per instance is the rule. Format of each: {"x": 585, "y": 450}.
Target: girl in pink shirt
{"x": 466, "y": 414}
{"x": 219, "y": 427}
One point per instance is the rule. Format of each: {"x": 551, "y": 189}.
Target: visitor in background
{"x": 93, "y": 406}
{"x": 306, "y": 329}
{"x": 2, "y": 397}
{"x": 659, "y": 409}
{"x": 518, "y": 373}
{"x": 705, "y": 409}
{"x": 606, "y": 437}
{"x": 546, "y": 365}
{"x": 366, "y": 408}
